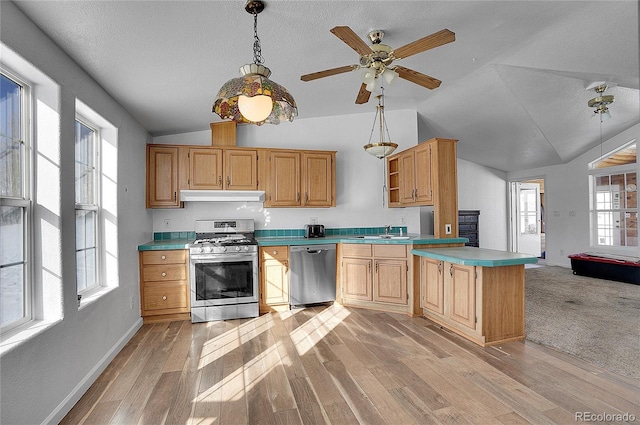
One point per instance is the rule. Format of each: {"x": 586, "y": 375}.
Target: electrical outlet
{"x": 403, "y": 220}
{"x": 447, "y": 229}
{"x": 131, "y": 303}
{"x": 313, "y": 220}
{"x": 167, "y": 223}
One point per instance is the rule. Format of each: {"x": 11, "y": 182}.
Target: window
{"x": 614, "y": 199}
{"x": 87, "y": 206}
{"x": 15, "y": 306}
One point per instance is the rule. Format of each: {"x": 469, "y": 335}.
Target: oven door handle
{"x": 223, "y": 258}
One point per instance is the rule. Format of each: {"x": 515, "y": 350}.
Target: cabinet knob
{"x": 163, "y": 274}
{"x": 164, "y": 298}
{"x": 220, "y": 181}
{"x": 164, "y": 257}
{"x": 275, "y": 252}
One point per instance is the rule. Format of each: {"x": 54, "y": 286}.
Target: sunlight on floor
{"x": 312, "y": 331}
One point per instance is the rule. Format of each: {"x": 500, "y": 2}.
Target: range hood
{"x": 222, "y": 195}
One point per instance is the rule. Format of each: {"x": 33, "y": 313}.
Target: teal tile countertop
{"x": 411, "y": 239}
{"x": 470, "y": 256}
{"x": 167, "y": 244}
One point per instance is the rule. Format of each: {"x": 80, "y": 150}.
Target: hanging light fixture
{"x": 380, "y": 149}
{"x": 601, "y": 101}
{"x": 253, "y": 97}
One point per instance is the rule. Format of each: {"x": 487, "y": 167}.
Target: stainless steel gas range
{"x": 224, "y": 270}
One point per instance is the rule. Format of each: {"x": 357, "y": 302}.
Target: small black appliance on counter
{"x": 313, "y": 231}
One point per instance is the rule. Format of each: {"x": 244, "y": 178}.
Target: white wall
{"x": 485, "y": 189}
{"x": 566, "y": 189}
{"x": 358, "y": 174}
{"x": 44, "y": 376}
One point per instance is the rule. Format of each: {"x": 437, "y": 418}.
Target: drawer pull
{"x": 164, "y": 298}
{"x": 164, "y": 274}
{"x": 164, "y": 257}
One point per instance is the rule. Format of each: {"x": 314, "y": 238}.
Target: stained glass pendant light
{"x": 253, "y": 98}
{"x": 380, "y": 149}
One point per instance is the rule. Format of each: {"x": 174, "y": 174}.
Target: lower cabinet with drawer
{"x": 274, "y": 278}
{"x": 164, "y": 285}
{"x": 375, "y": 276}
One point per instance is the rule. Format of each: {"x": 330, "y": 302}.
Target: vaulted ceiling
{"x": 513, "y": 83}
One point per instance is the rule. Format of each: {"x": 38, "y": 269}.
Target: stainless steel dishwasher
{"x": 312, "y": 274}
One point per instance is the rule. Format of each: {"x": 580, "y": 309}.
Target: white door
{"x": 526, "y": 218}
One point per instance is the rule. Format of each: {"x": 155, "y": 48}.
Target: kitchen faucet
{"x": 387, "y": 229}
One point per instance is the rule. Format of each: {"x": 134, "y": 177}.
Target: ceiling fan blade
{"x": 363, "y": 95}
{"x": 429, "y": 42}
{"x": 417, "y": 78}
{"x": 328, "y": 72}
{"x": 347, "y": 35}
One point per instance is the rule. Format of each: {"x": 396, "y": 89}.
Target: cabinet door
{"x": 422, "y": 157}
{"x": 275, "y": 282}
{"x": 431, "y": 285}
{"x": 462, "y": 302}
{"x": 317, "y": 172}
{"x": 241, "y": 169}
{"x": 162, "y": 177}
{"x": 284, "y": 175}
{"x": 356, "y": 279}
{"x": 390, "y": 281}
{"x": 407, "y": 178}
{"x": 205, "y": 168}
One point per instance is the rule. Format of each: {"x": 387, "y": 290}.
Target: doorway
{"x": 527, "y": 217}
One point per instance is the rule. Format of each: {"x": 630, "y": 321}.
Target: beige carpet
{"x": 594, "y": 319}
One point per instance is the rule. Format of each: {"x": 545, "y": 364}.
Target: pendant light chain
{"x": 257, "y": 50}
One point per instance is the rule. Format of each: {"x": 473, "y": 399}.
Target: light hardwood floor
{"x": 342, "y": 366}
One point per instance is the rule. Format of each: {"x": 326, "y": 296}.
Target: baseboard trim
{"x": 70, "y": 400}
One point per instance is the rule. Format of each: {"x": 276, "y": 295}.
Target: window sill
{"x": 21, "y": 334}
{"x": 91, "y": 297}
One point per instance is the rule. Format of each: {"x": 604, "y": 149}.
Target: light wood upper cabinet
{"x": 284, "y": 179}
{"x": 241, "y": 169}
{"x": 162, "y": 177}
{"x": 300, "y": 179}
{"x": 231, "y": 169}
{"x": 318, "y": 179}
{"x": 205, "y": 168}
{"x": 426, "y": 175}
{"x": 290, "y": 178}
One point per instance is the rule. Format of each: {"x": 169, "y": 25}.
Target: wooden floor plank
{"x": 338, "y": 365}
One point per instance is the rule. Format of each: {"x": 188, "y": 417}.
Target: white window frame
{"x": 24, "y": 201}
{"x": 593, "y": 202}
{"x": 96, "y": 206}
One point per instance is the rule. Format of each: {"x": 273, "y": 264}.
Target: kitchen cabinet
{"x": 164, "y": 285}
{"x": 223, "y": 133}
{"x": 483, "y": 304}
{"x": 432, "y": 285}
{"x": 374, "y": 276}
{"x": 217, "y": 168}
{"x": 298, "y": 178}
{"x": 425, "y": 175}
{"x": 274, "y": 278}
{"x": 162, "y": 177}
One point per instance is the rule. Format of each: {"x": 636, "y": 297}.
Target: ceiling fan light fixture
{"x": 254, "y": 98}
{"x": 601, "y": 102}
{"x": 389, "y": 76}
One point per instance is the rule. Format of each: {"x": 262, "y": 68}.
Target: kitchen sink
{"x": 381, "y": 237}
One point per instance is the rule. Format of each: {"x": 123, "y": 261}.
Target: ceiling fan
{"x": 378, "y": 59}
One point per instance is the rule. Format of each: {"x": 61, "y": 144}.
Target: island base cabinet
{"x": 482, "y": 304}
{"x": 274, "y": 278}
